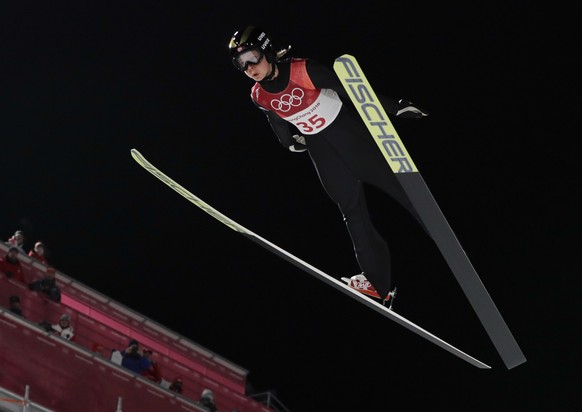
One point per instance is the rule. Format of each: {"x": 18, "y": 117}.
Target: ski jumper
{"x": 307, "y": 98}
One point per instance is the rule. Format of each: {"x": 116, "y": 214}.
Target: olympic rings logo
{"x": 288, "y": 101}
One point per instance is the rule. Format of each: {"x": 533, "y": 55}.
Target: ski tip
{"x": 345, "y": 56}
{"x": 135, "y": 154}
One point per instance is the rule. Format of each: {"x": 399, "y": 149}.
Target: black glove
{"x": 408, "y": 110}
{"x": 300, "y": 145}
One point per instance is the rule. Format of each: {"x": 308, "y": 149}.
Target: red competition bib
{"x": 310, "y": 109}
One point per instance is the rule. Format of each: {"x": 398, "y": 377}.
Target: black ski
{"x": 400, "y": 162}
{"x": 383, "y": 310}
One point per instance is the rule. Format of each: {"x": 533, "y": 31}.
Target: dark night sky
{"x": 82, "y": 84}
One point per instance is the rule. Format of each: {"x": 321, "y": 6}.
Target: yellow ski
{"x": 400, "y": 162}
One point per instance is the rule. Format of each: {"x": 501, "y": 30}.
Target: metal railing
{"x": 12, "y": 402}
{"x": 270, "y": 400}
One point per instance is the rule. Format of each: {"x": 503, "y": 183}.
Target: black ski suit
{"x": 344, "y": 155}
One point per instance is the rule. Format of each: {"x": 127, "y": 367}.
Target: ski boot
{"x": 363, "y": 285}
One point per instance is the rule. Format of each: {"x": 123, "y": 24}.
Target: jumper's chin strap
{"x": 270, "y": 75}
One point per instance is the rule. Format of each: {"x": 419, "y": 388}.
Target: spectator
{"x": 153, "y": 372}
{"x": 47, "y": 285}
{"x": 15, "y": 305}
{"x": 177, "y": 385}
{"x": 38, "y": 253}
{"x": 207, "y": 400}
{"x": 17, "y": 240}
{"x": 133, "y": 358}
{"x": 116, "y": 357}
{"x": 10, "y": 264}
{"x": 98, "y": 349}
{"x": 64, "y": 328}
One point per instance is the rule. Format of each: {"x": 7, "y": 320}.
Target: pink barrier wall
{"x": 99, "y": 320}
{"x": 65, "y": 378}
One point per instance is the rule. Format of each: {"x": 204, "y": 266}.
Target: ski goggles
{"x": 251, "y": 56}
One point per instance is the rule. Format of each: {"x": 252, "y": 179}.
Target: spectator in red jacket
{"x": 38, "y": 253}
{"x": 153, "y": 373}
{"x": 10, "y": 264}
{"x": 98, "y": 349}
